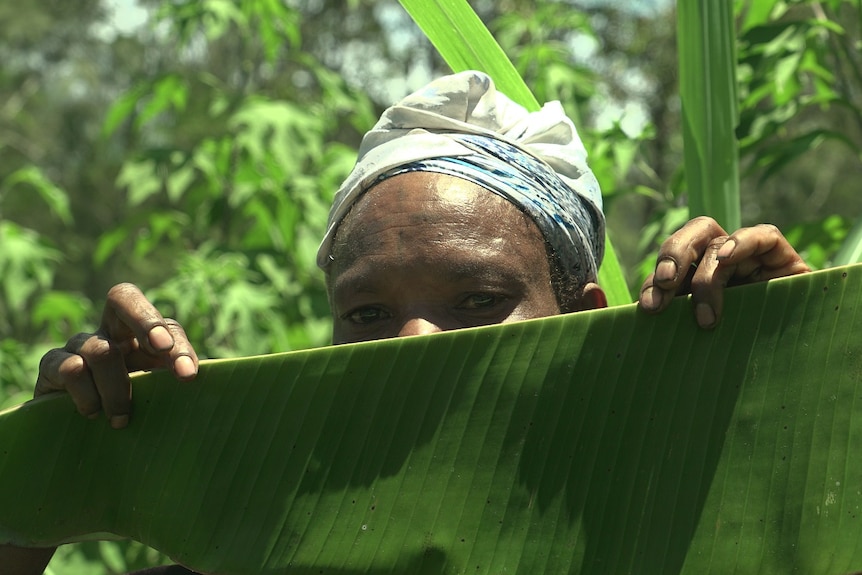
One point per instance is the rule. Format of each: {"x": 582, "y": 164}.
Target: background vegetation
{"x": 196, "y": 152}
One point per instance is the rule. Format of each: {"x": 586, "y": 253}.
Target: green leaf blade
{"x": 605, "y": 440}
{"x": 466, "y": 44}
{"x": 786, "y": 496}
{"x": 707, "y": 69}
{"x": 850, "y": 251}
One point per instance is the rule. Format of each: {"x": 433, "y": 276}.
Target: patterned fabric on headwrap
{"x": 567, "y": 224}
{"x": 461, "y": 126}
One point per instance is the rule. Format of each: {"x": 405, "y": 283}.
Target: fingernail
{"x": 666, "y": 270}
{"x": 160, "y": 338}
{"x": 726, "y": 250}
{"x": 649, "y": 299}
{"x": 705, "y": 315}
{"x": 94, "y": 415}
{"x": 184, "y": 367}
{"x": 119, "y": 421}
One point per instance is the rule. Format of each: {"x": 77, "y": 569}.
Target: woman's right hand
{"x": 94, "y": 367}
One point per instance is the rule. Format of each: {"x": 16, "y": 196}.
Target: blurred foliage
{"x": 195, "y": 154}
{"x": 800, "y": 128}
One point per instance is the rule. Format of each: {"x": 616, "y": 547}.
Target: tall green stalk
{"x": 706, "y": 40}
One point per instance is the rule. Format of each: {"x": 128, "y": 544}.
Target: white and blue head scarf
{"x": 462, "y": 126}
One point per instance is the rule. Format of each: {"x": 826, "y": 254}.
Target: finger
{"x": 110, "y": 375}
{"x": 652, "y": 298}
{"x": 184, "y": 359}
{"x": 181, "y": 359}
{"x": 129, "y": 314}
{"x": 708, "y": 284}
{"x": 60, "y": 370}
{"x": 761, "y": 253}
{"x": 682, "y": 249}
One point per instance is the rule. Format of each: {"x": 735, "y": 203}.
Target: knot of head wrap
{"x": 461, "y": 126}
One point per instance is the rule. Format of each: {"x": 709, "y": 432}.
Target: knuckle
{"x": 718, "y": 241}
{"x": 176, "y": 329}
{"x": 98, "y": 350}
{"x": 122, "y": 289}
{"x": 58, "y": 367}
{"x": 51, "y": 359}
{"x": 706, "y": 286}
{"x": 769, "y": 228}
{"x": 706, "y": 223}
{"x": 711, "y": 227}
{"x": 76, "y": 342}
{"x": 125, "y": 295}
{"x": 703, "y": 220}
{"x": 72, "y": 369}
{"x": 60, "y": 371}
{"x": 179, "y": 334}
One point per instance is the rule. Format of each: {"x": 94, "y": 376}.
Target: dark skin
{"x": 419, "y": 253}
{"x": 422, "y": 253}
{"x": 702, "y": 259}
{"x": 94, "y": 367}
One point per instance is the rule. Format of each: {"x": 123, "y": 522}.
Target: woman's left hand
{"x": 702, "y": 259}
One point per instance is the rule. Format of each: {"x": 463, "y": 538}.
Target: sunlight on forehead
{"x": 500, "y": 216}
{"x": 458, "y": 191}
{"x": 404, "y": 216}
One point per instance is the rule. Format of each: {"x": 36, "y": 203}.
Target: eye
{"x": 479, "y": 301}
{"x": 366, "y": 315}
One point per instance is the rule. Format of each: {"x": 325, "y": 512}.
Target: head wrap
{"x": 462, "y": 126}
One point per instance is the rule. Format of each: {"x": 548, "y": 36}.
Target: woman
{"x": 463, "y": 209}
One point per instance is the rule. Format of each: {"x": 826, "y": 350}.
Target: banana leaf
{"x": 599, "y": 442}
{"x": 466, "y": 44}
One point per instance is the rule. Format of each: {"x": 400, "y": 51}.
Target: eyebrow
{"x": 362, "y": 277}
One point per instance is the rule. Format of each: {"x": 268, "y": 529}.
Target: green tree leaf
{"x": 599, "y": 442}
{"x": 53, "y": 196}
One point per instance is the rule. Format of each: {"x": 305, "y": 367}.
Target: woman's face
{"x": 422, "y": 252}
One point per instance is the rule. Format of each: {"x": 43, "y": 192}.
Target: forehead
{"x": 423, "y": 220}
{"x": 444, "y": 202}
